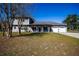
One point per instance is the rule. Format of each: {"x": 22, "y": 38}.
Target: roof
{"x": 48, "y": 23}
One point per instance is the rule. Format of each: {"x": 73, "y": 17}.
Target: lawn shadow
{"x": 30, "y": 34}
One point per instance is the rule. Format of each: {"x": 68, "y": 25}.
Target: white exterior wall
{"x": 59, "y": 29}
{"x": 22, "y": 30}
{"x": 29, "y": 29}
{"x": 26, "y": 22}
{"x": 15, "y": 22}
{"x": 15, "y": 30}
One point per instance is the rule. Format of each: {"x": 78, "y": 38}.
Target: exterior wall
{"x": 28, "y": 29}
{"x": 15, "y": 30}
{"x": 25, "y": 22}
{"x": 23, "y": 29}
{"x": 15, "y": 22}
{"x": 53, "y": 29}
{"x": 59, "y": 29}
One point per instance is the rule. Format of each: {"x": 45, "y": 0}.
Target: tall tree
{"x": 71, "y": 21}
{"x": 11, "y": 11}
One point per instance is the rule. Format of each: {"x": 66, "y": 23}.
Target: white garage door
{"x": 64, "y": 29}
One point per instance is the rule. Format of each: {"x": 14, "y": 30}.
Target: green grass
{"x": 39, "y": 44}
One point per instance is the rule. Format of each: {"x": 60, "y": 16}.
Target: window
{"x": 14, "y": 27}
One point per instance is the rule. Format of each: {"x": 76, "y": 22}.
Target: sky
{"x": 52, "y": 12}
{"x": 56, "y": 12}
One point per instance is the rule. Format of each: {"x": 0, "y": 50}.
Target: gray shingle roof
{"x": 48, "y": 23}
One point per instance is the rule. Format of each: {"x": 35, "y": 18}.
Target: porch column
{"x": 37, "y": 29}
{"x": 48, "y": 29}
{"x": 42, "y": 29}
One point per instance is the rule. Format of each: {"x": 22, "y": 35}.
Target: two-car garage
{"x": 59, "y": 29}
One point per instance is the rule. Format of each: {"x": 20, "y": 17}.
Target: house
{"x": 30, "y": 25}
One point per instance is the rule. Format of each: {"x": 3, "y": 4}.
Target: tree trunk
{"x": 19, "y": 26}
{"x": 7, "y": 30}
{"x": 3, "y": 30}
{"x": 10, "y": 31}
{"x": 19, "y": 31}
{"x": 7, "y": 33}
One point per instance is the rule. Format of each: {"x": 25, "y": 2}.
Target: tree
{"x": 11, "y": 11}
{"x": 71, "y": 21}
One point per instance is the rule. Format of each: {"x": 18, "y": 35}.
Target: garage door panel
{"x": 59, "y": 29}
{"x": 55, "y": 29}
{"x": 62, "y": 29}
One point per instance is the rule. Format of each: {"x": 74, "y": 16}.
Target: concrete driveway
{"x": 76, "y": 35}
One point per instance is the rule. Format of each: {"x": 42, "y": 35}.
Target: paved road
{"x": 76, "y": 35}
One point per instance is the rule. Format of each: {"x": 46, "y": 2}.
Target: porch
{"x": 41, "y": 29}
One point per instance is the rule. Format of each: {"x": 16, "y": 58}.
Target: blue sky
{"x": 56, "y": 12}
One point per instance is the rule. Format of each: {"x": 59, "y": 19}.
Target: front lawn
{"x": 39, "y": 44}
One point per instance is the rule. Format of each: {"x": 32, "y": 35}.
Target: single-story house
{"x": 30, "y": 25}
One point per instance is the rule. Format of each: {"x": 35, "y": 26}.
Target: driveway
{"x": 76, "y": 35}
